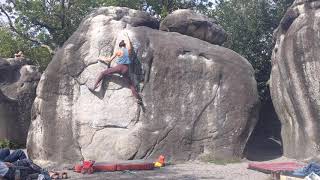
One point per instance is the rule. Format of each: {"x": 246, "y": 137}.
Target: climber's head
{"x": 122, "y": 44}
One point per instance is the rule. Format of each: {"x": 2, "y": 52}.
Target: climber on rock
{"x": 122, "y": 66}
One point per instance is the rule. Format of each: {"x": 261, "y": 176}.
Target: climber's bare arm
{"x": 128, "y": 42}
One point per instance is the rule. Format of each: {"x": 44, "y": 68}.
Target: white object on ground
{"x": 312, "y": 176}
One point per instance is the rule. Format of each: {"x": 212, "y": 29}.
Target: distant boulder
{"x": 190, "y": 23}
{"x": 18, "y": 82}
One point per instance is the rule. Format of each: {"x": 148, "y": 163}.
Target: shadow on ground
{"x": 264, "y": 149}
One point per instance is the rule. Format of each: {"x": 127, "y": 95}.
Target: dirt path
{"x": 186, "y": 171}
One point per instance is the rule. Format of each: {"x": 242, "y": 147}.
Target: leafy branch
{"x": 20, "y": 33}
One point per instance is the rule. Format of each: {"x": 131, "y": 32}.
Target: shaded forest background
{"x": 38, "y": 27}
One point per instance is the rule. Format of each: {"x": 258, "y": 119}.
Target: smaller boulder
{"x": 190, "y": 23}
{"x": 18, "y": 82}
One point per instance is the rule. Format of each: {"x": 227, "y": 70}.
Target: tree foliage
{"x": 250, "y": 24}
{"x": 164, "y": 7}
{"x": 11, "y": 44}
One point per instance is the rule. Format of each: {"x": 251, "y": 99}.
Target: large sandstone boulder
{"x": 18, "y": 82}
{"x": 190, "y": 23}
{"x": 295, "y": 79}
{"x": 199, "y": 98}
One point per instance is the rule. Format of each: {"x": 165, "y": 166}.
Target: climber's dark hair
{"x": 122, "y": 44}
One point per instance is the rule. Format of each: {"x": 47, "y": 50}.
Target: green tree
{"x": 250, "y": 25}
{"x": 133, "y": 4}
{"x": 46, "y": 22}
{"x": 10, "y": 44}
{"x": 164, "y": 7}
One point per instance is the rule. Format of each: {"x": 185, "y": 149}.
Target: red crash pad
{"x": 100, "y": 166}
{"x": 275, "y": 167}
{"x": 121, "y": 165}
{"x": 135, "y": 166}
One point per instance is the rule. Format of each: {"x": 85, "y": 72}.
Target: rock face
{"x": 18, "y": 82}
{"x": 196, "y": 25}
{"x": 295, "y": 79}
{"x": 8, "y": 118}
{"x": 198, "y": 98}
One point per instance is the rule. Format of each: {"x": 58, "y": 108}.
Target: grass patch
{"x": 4, "y": 143}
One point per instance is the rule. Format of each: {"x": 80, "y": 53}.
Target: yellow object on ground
{"x": 157, "y": 164}
{"x": 160, "y": 161}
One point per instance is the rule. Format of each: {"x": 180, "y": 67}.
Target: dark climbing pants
{"x": 16, "y": 155}
{"x": 124, "y": 71}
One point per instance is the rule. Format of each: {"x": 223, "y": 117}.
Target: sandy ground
{"x": 186, "y": 171}
{"x": 192, "y": 170}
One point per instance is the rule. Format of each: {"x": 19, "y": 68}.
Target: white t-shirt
{"x": 3, "y": 169}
